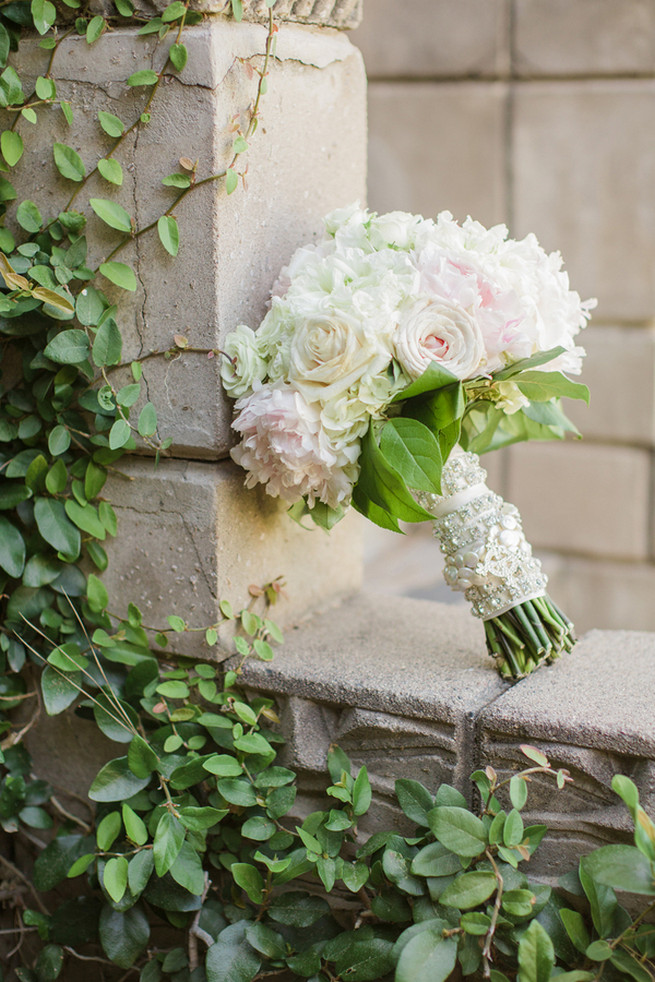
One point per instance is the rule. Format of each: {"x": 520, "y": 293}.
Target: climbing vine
{"x": 183, "y": 862}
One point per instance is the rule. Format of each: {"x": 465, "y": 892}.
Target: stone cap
{"x": 342, "y": 14}
{"x": 406, "y": 657}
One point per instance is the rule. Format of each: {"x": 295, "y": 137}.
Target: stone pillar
{"x": 189, "y": 533}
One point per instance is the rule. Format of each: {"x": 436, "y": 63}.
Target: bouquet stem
{"x": 490, "y": 561}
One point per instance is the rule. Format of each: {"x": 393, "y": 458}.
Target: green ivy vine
{"x": 183, "y": 862}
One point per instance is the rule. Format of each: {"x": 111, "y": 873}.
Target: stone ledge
{"x": 342, "y": 14}
{"x": 406, "y": 687}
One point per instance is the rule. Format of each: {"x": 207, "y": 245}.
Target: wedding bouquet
{"x": 395, "y": 350}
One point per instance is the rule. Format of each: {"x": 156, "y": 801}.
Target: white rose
{"x": 440, "y": 331}
{"x": 244, "y": 365}
{"x": 331, "y": 352}
{"x": 395, "y": 229}
{"x": 285, "y": 447}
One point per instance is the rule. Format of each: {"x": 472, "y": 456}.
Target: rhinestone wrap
{"x": 487, "y": 555}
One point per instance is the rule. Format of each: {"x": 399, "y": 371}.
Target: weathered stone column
{"x": 189, "y": 533}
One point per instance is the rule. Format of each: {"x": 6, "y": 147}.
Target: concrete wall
{"x": 538, "y": 113}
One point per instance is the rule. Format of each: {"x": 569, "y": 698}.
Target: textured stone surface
{"x": 438, "y": 147}
{"x": 591, "y": 712}
{"x": 620, "y": 371}
{"x": 583, "y": 498}
{"x": 191, "y": 536}
{"x": 434, "y": 39}
{"x": 231, "y": 248}
{"x": 584, "y": 37}
{"x": 342, "y": 14}
{"x": 604, "y": 594}
{"x": 584, "y": 174}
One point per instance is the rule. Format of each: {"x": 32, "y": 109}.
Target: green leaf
{"x": 173, "y": 11}
{"x": 112, "y": 214}
{"x": 69, "y": 347}
{"x": 68, "y": 162}
{"x": 55, "y": 528}
{"x": 59, "y": 691}
{"x": 518, "y": 791}
{"x": 513, "y": 829}
{"x": 630, "y": 967}
{"x": 536, "y": 955}
{"x": 144, "y": 77}
{"x": 361, "y": 793}
{"x": 435, "y": 860}
{"x": 45, "y": 88}
{"x": 427, "y": 957}
{"x": 413, "y": 451}
{"x": 169, "y": 234}
{"x": 119, "y": 434}
{"x": 29, "y": 217}
{"x": 111, "y": 124}
{"x": 621, "y": 867}
{"x": 139, "y": 870}
{"x": 249, "y": 879}
{"x": 120, "y": 275}
{"x": 90, "y": 305}
{"x": 382, "y": 485}
{"x": 178, "y": 55}
{"x": 114, "y": 877}
{"x": 141, "y": 758}
{"x": 85, "y": 518}
{"x": 168, "y": 840}
{"x": 43, "y": 14}
{"x": 111, "y": 170}
{"x": 108, "y": 343}
{"x": 177, "y": 181}
{"x": 520, "y": 366}
{"x": 469, "y": 890}
{"x": 198, "y": 819}
{"x": 415, "y": 800}
{"x": 576, "y": 928}
{"x": 435, "y": 377}
{"x": 459, "y": 830}
{"x": 59, "y": 440}
{"x": 187, "y": 870}
{"x": 51, "y": 958}
{"x": 123, "y": 934}
{"x": 441, "y": 413}
{"x": 232, "y": 958}
{"x": 108, "y": 830}
{"x": 12, "y": 548}
{"x": 95, "y": 28}
{"x": 297, "y": 909}
{"x": 116, "y": 782}
{"x": 602, "y": 901}
{"x": 544, "y": 386}
{"x": 231, "y": 180}
{"x": 11, "y": 144}
{"x": 475, "y": 923}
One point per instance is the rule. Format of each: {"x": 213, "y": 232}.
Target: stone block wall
{"x": 190, "y": 534}
{"x": 406, "y": 688}
{"x": 537, "y": 113}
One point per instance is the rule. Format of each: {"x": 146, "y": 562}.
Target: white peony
{"x": 284, "y": 447}
{"x": 439, "y": 331}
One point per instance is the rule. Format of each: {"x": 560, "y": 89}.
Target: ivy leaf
{"x": 119, "y": 434}
{"x": 178, "y": 55}
{"x": 144, "y": 77}
{"x": 123, "y": 934}
{"x": 173, "y": 11}
{"x": 59, "y": 691}
{"x": 45, "y": 88}
{"x": 108, "y": 344}
{"x": 12, "y": 548}
{"x": 427, "y": 957}
{"x": 177, "y": 181}
{"x": 112, "y": 214}
{"x": 469, "y": 890}
{"x": 147, "y": 424}
{"x": 55, "y": 527}
{"x": 536, "y": 955}
{"x": 458, "y": 830}
{"x": 114, "y": 877}
{"x": 43, "y": 15}
{"x": 415, "y": 800}
{"x": 90, "y": 305}
{"x": 119, "y": 274}
{"x": 70, "y": 347}
{"x": 169, "y": 234}
{"x": 68, "y": 162}
{"x": 621, "y": 867}
{"x": 116, "y": 782}
{"x": 111, "y": 170}
{"x": 95, "y": 28}
{"x": 231, "y": 180}
{"x": 168, "y": 840}
{"x": 29, "y": 217}
{"x": 232, "y": 958}
{"x": 111, "y": 124}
